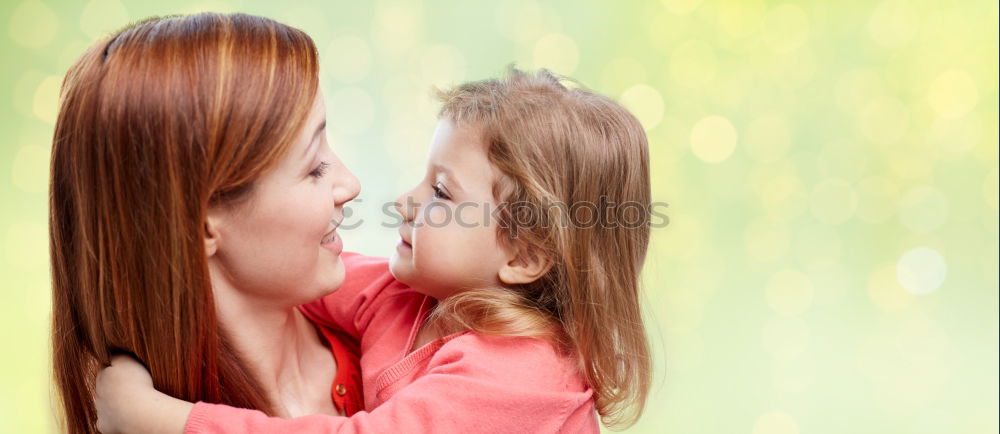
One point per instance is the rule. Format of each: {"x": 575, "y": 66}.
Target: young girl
{"x": 511, "y": 303}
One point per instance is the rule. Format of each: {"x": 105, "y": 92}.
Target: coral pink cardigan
{"x": 465, "y": 382}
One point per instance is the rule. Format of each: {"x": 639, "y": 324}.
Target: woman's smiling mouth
{"x": 332, "y": 241}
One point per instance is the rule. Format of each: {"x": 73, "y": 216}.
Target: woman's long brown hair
{"x": 158, "y": 122}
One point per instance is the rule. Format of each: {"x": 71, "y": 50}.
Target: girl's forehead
{"x": 457, "y": 156}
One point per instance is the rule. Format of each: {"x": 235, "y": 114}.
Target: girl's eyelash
{"x": 439, "y": 192}
{"x": 319, "y": 171}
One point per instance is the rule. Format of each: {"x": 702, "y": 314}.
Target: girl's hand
{"x": 127, "y": 402}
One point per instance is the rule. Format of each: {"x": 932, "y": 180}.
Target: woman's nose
{"x": 348, "y": 187}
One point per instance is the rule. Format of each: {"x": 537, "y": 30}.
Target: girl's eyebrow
{"x": 448, "y": 174}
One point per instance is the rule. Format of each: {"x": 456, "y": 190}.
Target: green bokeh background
{"x": 831, "y": 169}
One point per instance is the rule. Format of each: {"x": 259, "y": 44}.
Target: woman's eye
{"x": 439, "y": 192}
{"x": 320, "y": 170}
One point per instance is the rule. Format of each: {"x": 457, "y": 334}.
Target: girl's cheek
{"x": 471, "y": 218}
{"x": 437, "y": 216}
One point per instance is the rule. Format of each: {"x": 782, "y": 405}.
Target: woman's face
{"x": 280, "y": 246}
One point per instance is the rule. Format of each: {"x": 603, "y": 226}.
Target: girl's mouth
{"x": 403, "y": 245}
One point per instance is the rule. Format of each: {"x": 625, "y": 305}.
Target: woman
{"x": 194, "y": 204}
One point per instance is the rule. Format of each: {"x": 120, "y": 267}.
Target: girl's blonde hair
{"x": 560, "y": 150}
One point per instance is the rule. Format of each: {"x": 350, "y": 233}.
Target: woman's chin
{"x": 332, "y": 277}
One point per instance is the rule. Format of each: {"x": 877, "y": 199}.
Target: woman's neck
{"x": 283, "y": 350}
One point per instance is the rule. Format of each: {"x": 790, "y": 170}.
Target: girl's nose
{"x": 406, "y": 207}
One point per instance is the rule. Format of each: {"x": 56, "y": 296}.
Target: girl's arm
{"x": 352, "y": 306}
{"x": 513, "y": 392}
{"x": 126, "y": 401}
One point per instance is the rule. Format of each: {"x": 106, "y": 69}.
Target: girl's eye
{"x": 320, "y": 170}
{"x": 439, "y": 192}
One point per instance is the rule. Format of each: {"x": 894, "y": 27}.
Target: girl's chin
{"x": 399, "y": 267}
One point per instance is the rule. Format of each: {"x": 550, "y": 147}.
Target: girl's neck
{"x": 283, "y": 350}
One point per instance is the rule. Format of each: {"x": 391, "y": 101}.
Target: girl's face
{"x": 280, "y": 246}
{"x": 448, "y": 241}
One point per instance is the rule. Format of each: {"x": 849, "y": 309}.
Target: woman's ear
{"x": 526, "y": 266}
{"x": 212, "y": 224}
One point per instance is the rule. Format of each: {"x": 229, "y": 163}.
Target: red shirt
{"x": 346, "y": 389}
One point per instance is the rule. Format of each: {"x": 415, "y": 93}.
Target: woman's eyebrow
{"x": 313, "y": 141}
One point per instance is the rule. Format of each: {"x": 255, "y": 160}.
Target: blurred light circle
{"x": 833, "y": 201}
{"x": 884, "y": 120}
{"x": 686, "y": 349}
{"x": 786, "y": 28}
{"x": 45, "y": 104}
{"x": 347, "y": 59}
{"x": 33, "y": 24}
{"x": 682, "y": 309}
{"x": 766, "y": 241}
{"x": 876, "y": 199}
{"x": 775, "y": 422}
{"x": 741, "y": 19}
{"x": 776, "y": 182}
{"x": 645, "y": 103}
{"x": 622, "y": 72}
{"x": 24, "y": 91}
{"x": 789, "y": 292}
{"x": 209, "y": 6}
{"x": 397, "y": 26}
{"x": 785, "y": 337}
{"x": 792, "y": 374}
{"x": 442, "y": 65}
{"x": 817, "y": 245}
{"x": 910, "y": 163}
{"x": 556, "y": 52}
{"x": 681, "y": 7}
{"x": 350, "y": 111}
{"x": 921, "y": 270}
{"x": 953, "y": 93}
{"x": 525, "y": 20}
{"x": 26, "y": 245}
{"x": 101, "y": 17}
{"x": 990, "y": 189}
{"x": 693, "y": 63}
{"x": 956, "y": 135}
{"x": 892, "y": 24}
{"x": 69, "y": 52}
{"x": 685, "y": 234}
{"x": 30, "y": 168}
{"x": 923, "y": 209}
{"x": 794, "y": 69}
{"x": 713, "y": 139}
{"x": 844, "y": 159}
{"x": 856, "y": 88}
{"x": 886, "y": 292}
{"x": 768, "y": 137}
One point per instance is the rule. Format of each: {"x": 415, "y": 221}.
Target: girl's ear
{"x": 525, "y": 266}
